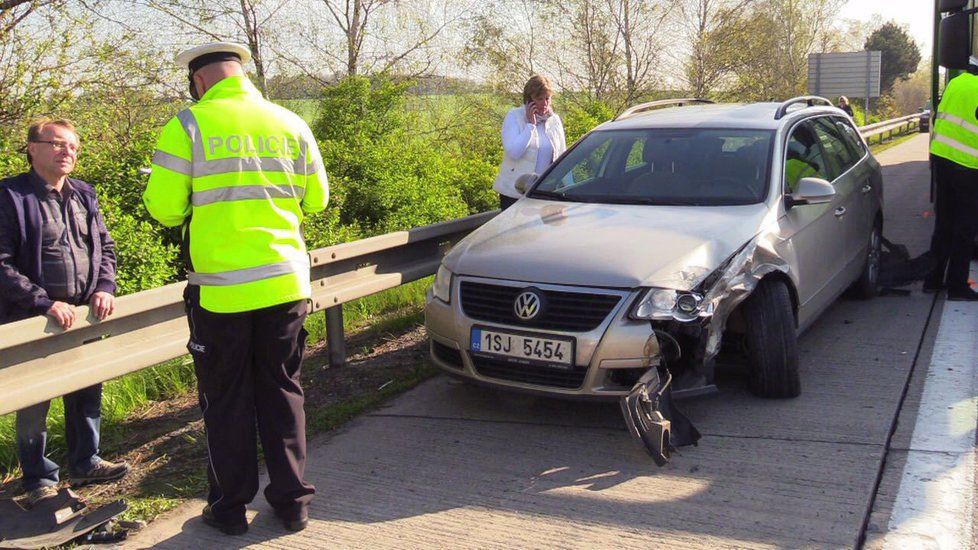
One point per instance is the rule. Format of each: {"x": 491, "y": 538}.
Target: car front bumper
{"x": 607, "y": 359}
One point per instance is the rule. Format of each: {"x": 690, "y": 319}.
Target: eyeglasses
{"x": 60, "y": 146}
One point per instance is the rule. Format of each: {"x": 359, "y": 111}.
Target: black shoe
{"x": 228, "y": 528}
{"x": 293, "y": 522}
{"x": 962, "y": 295}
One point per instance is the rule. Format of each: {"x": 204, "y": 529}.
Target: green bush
{"x": 388, "y": 177}
{"x": 144, "y": 260}
{"x": 580, "y": 119}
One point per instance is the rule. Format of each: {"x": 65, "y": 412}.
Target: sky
{"x": 916, "y": 15}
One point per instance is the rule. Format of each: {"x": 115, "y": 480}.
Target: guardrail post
{"x": 335, "y": 342}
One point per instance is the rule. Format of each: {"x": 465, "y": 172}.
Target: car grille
{"x": 452, "y": 357}
{"x": 530, "y": 374}
{"x": 571, "y": 311}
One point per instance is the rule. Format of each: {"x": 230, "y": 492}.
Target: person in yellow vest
{"x": 954, "y": 158}
{"x": 238, "y": 173}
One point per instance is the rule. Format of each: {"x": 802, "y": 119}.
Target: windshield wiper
{"x": 671, "y": 202}
{"x": 643, "y": 201}
{"x": 546, "y": 194}
{"x": 538, "y": 194}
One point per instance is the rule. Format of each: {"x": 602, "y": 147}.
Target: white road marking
{"x": 934, "y": 507}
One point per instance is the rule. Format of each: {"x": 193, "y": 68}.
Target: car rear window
{"x": 701, "y": 167}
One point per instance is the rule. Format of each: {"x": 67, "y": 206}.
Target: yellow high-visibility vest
{"x": 239, "y": 172}
{"x": 955, "y": 134}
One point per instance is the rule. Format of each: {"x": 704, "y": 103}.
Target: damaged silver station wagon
{"x": 677, "y": 227}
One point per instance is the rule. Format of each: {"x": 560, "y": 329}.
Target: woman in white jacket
{"x": 533, "y": 136}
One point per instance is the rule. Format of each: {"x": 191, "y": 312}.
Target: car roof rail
{"x": 809, "y": 100}
{"x": 642, "y": 107}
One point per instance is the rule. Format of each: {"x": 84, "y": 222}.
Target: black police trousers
{"x": 956, "y": 210}
{"x": 247, "y": 367}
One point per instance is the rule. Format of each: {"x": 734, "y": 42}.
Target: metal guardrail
{"x": 889, "y": 128}
{"x": 39, "y": 361}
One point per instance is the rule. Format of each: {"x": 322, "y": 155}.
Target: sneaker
{"x": 228, "y": 528}
{"x": 293, "y": 522}
{"x": 103, "y": 472}
{"x": 41, "y": 493}
{"x": 962, "y": 295}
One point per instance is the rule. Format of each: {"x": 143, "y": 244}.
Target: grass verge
{"x": 878, "y": 148}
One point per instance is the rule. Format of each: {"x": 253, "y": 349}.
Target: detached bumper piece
{"x": 652, "y": 418}
{"x": 58, "y": 520}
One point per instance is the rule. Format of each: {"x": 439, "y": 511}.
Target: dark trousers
{"x": 956, "y": 209}
{"x": 247, "y": 367}
{"x": 505, "y": 202}
{"x": 83, "y": 417}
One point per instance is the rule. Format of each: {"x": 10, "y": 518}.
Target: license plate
{"x": 526, "y": 347}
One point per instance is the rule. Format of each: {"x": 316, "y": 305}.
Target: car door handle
{"x": 867, "y": 188}
{"x": 840, "y": 211}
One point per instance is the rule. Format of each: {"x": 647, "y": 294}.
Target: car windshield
{"x": 695, "y": 167}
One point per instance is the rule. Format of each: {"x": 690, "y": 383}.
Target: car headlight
{"x": 441, "y": 288}
{"x": 663, "y": 303}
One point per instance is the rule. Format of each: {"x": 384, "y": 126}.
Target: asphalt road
{"x": 448, "y": 465}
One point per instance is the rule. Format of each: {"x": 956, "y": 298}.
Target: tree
{"x": 638, "y": 23}
{"x": 770, "y": 46}
{"x": 375, "y": 36}
{"x": 507, "y": 37}
{"x": 912, "y": 94}
{"x": 592, "y": 54}
{"x": 52, "y": 51}
{"x": 900, "y": 54}
{"x": 705, "y": 24}
{"x": 248, "y": 21}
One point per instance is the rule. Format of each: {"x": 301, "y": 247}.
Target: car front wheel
{"x": 868, "y": 284}
{"x": 771, "y": 341}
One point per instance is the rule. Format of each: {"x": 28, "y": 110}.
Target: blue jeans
{"x": 83, "y": 417}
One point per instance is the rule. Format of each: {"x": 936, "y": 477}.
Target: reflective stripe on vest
{"x": 957, "y": 145}
{"x": 172, "y": 163}
{"x": 246, "y": 192}
{"x": 251, "y": 274}
{"x": 956, "y": 120}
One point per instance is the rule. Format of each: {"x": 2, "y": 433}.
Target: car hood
{"x": 619, "y": 246}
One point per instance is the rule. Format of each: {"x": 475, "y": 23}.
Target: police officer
{"x": 954, "y": 157}
{"x": 237, "y": 173}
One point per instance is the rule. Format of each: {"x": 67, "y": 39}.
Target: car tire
{"x": 771, "y": 341}
{"x": 868, "y": 284}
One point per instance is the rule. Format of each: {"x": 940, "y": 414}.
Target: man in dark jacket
{"x": 55, "y": 254}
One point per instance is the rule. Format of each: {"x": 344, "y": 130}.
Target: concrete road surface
{"x": 453, "y": 466}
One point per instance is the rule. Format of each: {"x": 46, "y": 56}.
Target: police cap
{"x": 197, "y": 57}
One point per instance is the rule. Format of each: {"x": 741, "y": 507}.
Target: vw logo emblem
{"x": 527, "y": 305}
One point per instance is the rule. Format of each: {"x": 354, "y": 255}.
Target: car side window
{"x": 804, "y": 158}
{"x": 839, "y": 155}
{"x": 636, "y": 156}
{"x": 851, "y": 137}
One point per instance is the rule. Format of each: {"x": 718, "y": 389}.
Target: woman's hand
{"x": 531, "y": 113}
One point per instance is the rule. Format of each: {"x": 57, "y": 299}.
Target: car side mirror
{"x": 524, "y": 182}
{"x": 810, "y": 191}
